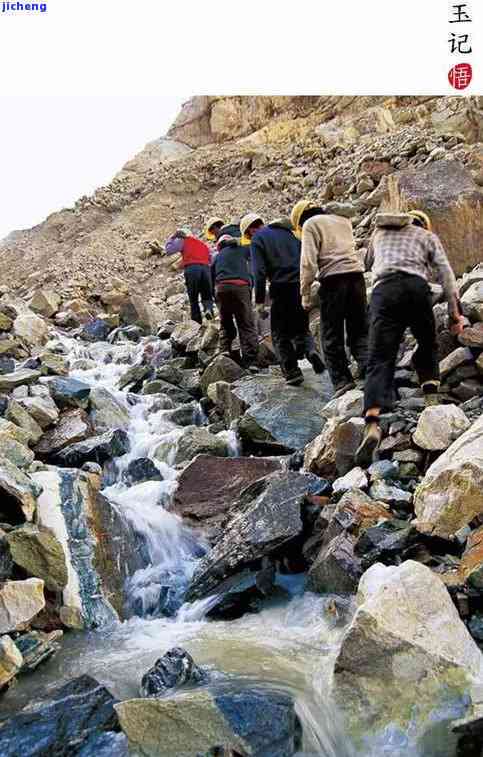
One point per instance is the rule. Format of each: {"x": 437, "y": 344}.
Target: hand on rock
{"x": 457, "y": 325}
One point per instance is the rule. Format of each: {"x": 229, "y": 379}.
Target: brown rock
{"x": 472, "y": 337}
{"x": 73, "y": 426}
{"x": 376, "y": 169}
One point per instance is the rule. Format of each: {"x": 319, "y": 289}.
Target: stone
{"x": 222, "y": 368}
{"x": 96, "y": 330}
{"x": 210, "y": 486}
{"x": 6, "y": 323}
{"x": 179, "y": 396}
{"x": 95, "y": 449}
{"x": 19, "y": 493}
{"x": 439, "y": 426}
{"x": 408, "y": 456}
{"x": 397, "y": 443}
{"x": 136, "y": 310}
{"x": 320, "y": 454}
{"x": 12, "y": 431}
{"x": 43, "y": 410}
{"x": 45, "y": 302}
{"x": 40, "y": 554}
{"x": 391, "y": 495}
{"x": 405, "y": 644}
{"x": 105, "y": 744}
{"x": 192, "y": 441}
{"x": 174, "y": 669}
{"x": 7, "y": 365}
{"x": 383, "y": 470}
{"x": 69, "y": 392}
{"x": 471, "y": 566}
{"x": 195, "y": 723}
{"x": 53, "y": 364}
{"x": 446, "y": 190}
{"x": 460, "y": 356}
{"x": 21, "y": 377}
{"x": 73, "y": 426}
{"x": 63, "y": 724}
{"x": 355, "y": 479}
{"x": 32, "y": 329}
{"x": 449, "y": 496}
{"x": 468, "y": 389}
{"x": 134, "y": 375}
{"x": 384, "y": 542}
{"x": 472, "y": 337}
{"x": 20, "y": 602}
{"x": 17, "y": 414}
{"x": 18, "y": 454}
{"x": 11, "y": 660}
{"x": 141, "y": 469}
{"x": 184, "y": 333}
{"x": 350, "y": 405}
{"x": 6, "y": 563}
{"x": 36, "y": 647}
{"x": 269, "y": 515}
{"x": 347, "y": 437}
{"x": 107, "y": 412}
{"x": 336, "y": 569}
{"x": 473, "y": 296}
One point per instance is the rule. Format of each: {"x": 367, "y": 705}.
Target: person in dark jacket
{"x": 275, "y": 254}
{"x": 231, "y": 272}
{"x": 197, "y": 273}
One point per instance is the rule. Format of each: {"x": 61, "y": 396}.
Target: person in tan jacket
{"x": 329, "y": 256}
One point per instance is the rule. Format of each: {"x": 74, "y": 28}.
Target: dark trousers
{"x": 198, "y": 284}
{"x": 291, "y": 336}
{"x": 235, "y": 306}
{"x": 343, "y": 308}
{"x": 398, "y": 302}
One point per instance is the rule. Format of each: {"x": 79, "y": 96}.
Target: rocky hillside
{"x": 227, "y": 155}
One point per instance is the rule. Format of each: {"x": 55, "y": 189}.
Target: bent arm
{"x": 174, "y": 244}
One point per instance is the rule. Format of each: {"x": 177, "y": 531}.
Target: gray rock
{"x": 36, "y": 647}
{"x": 19, "y": 491}
{"x": 107, "y": 411}
{"x": 439, "y": 426}
{"x": 73, "y": 426}
{"x": 222, "y": 368}
{"x": 355, "y": 479}
{"x": 24, "y": 376}
{"x": 392, "y": 495}
{"x": 192, "y": 441}
{"x": 141, "y": 469}
{"x": 174, "y": 669}
{"x": 69, "y": 392}
{"x": 383, "y": 470}
{"x": 42, "y": 409}
{"x": 460, "y": 356}
{"x": 134, "y": 375}
{"x": 96, "y": 449}
{"x": 20, "y": 602}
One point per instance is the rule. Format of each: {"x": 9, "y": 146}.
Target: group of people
{"x": 316, "y": 251}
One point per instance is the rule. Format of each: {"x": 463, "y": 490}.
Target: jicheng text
{"x": 16, "y": 7}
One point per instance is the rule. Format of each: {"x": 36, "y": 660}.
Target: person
{"x": 216, "y": 227}
{"x": 196, "y": 263}
{"x": 402, "y": 258}
{"x": 329, "y": 256}
{"x": 231, "y": 272}
{"x": 275, "y": 255}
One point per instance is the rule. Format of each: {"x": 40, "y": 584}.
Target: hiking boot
{"x": 371, "y": 440}
{"x": 294, "y": 378}
{"x": 342, "y": 387}
{"x": 316, "y": 362}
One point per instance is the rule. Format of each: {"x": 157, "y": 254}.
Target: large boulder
{"x": 320, "y": 454}
{"x": 439, "y": 426}
{"x": 19, "y": 493}
{"x": 96, "y": 330}
{"x": 21, "y": 377}
{"x": 42, "y": 409}
{"x": 136, "y": 310}
{"x": 32, "y": 329}
{"x": 96, "y": 449}
{"x": 18, "y": 454}
{"x": 268, "y": 514}
{"x": 447, "y": 192}
{"x": 69, "y": 392}
{"x": 45, "y": 302}
{"x": 39, "y": 552}
{"x": 107, "y": 411}
{"x": 254, "y": 722}
{"x": 449, "y": 496}
{"x": 180, "y": 447}
{"x": 210, "y": 485}
{"x": 174, "y": 669}
{"x": 406, "y": 644}
{"x": 73, "y": 426}
{"x": 20, "y": 602}
{"x": 222, "y": 368}
{"x": 15, "y": 413}
{"x": 64, "y": 724}
{"x": 11, "y": 660}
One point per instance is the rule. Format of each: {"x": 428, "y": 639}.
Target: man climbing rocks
{"x": 231, "y": 272}
{"x": 402, "y": 253}
{"x": 275, "y": 253}
{"x": 216, "y": 227}
{"x": 197, "y": 273}
{"x": 329, "y": 256}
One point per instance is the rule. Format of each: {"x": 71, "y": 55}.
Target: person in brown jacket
{"x": 329, "y": 256}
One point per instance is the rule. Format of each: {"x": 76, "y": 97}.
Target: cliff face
{"x": 228, "y": 155}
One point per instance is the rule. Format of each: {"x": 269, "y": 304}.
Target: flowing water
{"x": 289, "y": 645}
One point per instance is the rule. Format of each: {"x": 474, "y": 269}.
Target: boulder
{"x": 449, "y": 496}
{"x": 12, "y": 431}
{"x": 107, "y": 411}
{"x": 96, "y": 449}
{"x": 209, "y": 486}
{"x": 43, "y": 410}
{"x": 73, "y": 426}
{"x": 39, "y": 552}
{"x": 184, "y": 333}
{"x": 7, "y": 365}
{"x": 440, "y": 426}
{"x": 269, "y": 514}
{"x": 405, "y": 644}
{"x": 180, "y": 447}
{"x": 460, "y": 356}
{"x": 141, "y": 469}
{"x": 11, "y": 660}
{"x": 6, "y": 323}
{"x": 472, "y": 301}
{"x": 320, "y": 454}
{"x": 168, "y": 390}
{"x": 15, "y": 413}
{"x": 174, "y": 669}
{"x": 347, "y": 437}
{"x": 22, "y": 377}
{"x": 20, "y": 602}
{"x": 32, "y": 329}
{"x": 134, "y": 375}
{"x": 19, "y": 493}
{"x": 350, "y": 405}
{"x": 64, "y": 724}
{"x": 222, "y": 368}
{"x": 96, "y": 330}
{"x": 355, "y": 479}
{"x": 472, "y": 337}
{"x": 471, "y": 566}
{"x": 36, "y": 647}
{"x": 54, "y": 364}
{"x": 69, "y": 392}
{"x": 18, "y": 454}
{"x": 136, "y": 310}
{"x": 447, "y": 192}
{"x": 45, "y": 302}
{"x": 391, "y": 495}
{"x": 256, "y": 722}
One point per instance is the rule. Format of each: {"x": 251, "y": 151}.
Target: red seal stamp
{"x": 460, "y": 76}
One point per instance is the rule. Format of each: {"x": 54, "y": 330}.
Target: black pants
{"x": 291, "y": 336}
{"x": 343, "y": 308}
{"x": 198, "y": 284}
{"x": 398, "y": 302}
{"x": 234, "y": 303}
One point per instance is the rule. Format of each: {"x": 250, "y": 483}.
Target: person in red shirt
{"x": 196, "y": 257}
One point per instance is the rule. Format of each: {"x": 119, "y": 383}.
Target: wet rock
{"x": 62, "y": 726}
{"x": 169, "y": 390}
{"x": 7, "y": 365}
{"x": 107, "y": 412}
{"x": 439, "y": 426}
{"x": 45, "y": 302}
{"x": 137, "y": 311}
{"x": 186, "y": 415}
{"x": 105, "y": 744}
{"x": 222, "y": 368}
{"x": 22, "y": 377}
{"x": 198, "y": 721}
{"x": 42, "y": 409}
{"x": 95, "y": 331}
{"x": 141, "y": 469}
{"x": 383, "y": 470}
{"x": 336, "y": 570}
{"x": 184, "y": 333}
{"x": 54, "y": 364}
{"x": 32, "y": 329}
{"x": 16, "y": 453}
{"x": 96, "y": 449}
{"x": 36, "y": 647}
{"x": 69, "y": 392}
{"x": 40, "y": 554}
{"x": 174, "y": 669}
{"x": 350, "y": 405}
{"x": 401, "y": 648}
{"x": 192, "y": 441}
{"x": 391, "y": 495}
{"x": 347, "y": 437}
{"x": 134, "y": 375}
{"x": 15, "y": 413}
{"x": 20, "y": 602}
{"x": 226, "y": 402}
{"x": 460, "y": 356}
{"x": 355, "y": 479}
{"x": 449, "y": 497}
{"x": 10, "y": 660}
{"x": 269, "y": 515}
{"x": 320, "y": 454}
{"x": 384, "y": 542}
{"x": 210, "y": 486}
{"x": 73, "y": 426}
{"x": 19, "y": 493}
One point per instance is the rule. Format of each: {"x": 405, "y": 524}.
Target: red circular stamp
{"x": 460, "y": 76}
